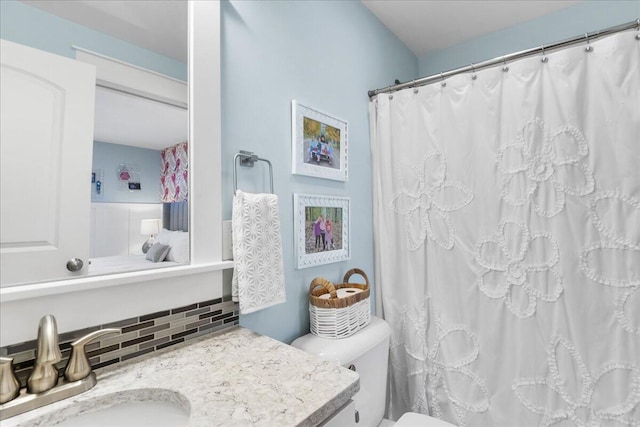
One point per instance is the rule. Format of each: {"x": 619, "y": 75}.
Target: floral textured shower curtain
{"x": 174, "y": 173}
{"x": 507, "y": 216}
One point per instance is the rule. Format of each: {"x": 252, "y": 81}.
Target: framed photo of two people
{"x": 321, "y": 229}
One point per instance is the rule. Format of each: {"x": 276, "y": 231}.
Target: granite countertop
{"x": 234, "y": 378}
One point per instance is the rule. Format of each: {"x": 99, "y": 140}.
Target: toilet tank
{"x": 366, "y": 351}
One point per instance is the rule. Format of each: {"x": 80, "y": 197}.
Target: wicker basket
{"x": 340, "y": 310}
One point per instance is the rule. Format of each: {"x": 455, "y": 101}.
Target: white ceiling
{"x": 422, "y": 25}
{"x": 157, "y": 25}
{"x": 161, "y": 26}
{"x": 131, "y": 120}
{"x": 428, "y": 25}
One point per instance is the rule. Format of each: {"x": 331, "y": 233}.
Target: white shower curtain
{"x": 507, "y": 224}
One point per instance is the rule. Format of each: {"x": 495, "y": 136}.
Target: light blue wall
{"x": 327, "y": 55}
{"x": 581, "y": 18}
{"x": 108, "y": 158}
{"x": 33, "y": 27}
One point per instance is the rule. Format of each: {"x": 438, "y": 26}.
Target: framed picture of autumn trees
{"x": 321, "y": 229}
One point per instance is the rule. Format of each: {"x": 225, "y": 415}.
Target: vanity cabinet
{"x": 343, "y": 417}
{"x": 47, "y": 111}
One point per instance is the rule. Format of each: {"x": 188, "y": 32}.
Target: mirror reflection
{"x": 136, "y": 214}
{"x": 139, "y": 184}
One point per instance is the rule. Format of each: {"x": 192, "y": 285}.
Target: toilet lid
{"x": 412, "y": 419}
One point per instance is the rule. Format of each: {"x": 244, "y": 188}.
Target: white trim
{"x": 119, "y": 75}
{"x": 118, "y": 61}
{"x": 15, "y": 293}
{"x": 205, "y": 148}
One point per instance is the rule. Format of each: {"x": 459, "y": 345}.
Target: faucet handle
{"x": 9, "y": 385}
{"x": 78, "y": 366}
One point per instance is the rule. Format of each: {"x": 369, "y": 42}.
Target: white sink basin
{"x": 129, "y": 408}
{"x": 135, "y": 414}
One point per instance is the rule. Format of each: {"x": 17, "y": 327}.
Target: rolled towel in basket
{"x": 258, "y": 275}
{"x": 339, "y": 310}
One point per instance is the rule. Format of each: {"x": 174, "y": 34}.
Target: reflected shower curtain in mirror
{"x": 507, "y": 224}
{"x": 174, "y": 173}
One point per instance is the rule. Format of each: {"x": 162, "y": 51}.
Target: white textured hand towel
{"x": 258, "y": 276}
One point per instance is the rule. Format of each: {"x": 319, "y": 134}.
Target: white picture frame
{"x": 319, "y": 144}
{"x": 313, "y": 248}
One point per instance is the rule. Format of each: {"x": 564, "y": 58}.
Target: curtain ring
{"x": 443, "y": 84}
{"x": 544, "y": 57}
{"x": 473, "y": 69}
{"x": 505, "y": 68}
{"x": 589, "y": 48}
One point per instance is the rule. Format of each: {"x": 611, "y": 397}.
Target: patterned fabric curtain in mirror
{"x": 507, "y": 221}
{"x": 174, "y": 177}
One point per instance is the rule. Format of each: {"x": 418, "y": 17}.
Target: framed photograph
{"x": 321, "y": 229}
{"x": 319, "y": 144}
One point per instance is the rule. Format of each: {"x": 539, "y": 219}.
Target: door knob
{"x": 75, "y": 264}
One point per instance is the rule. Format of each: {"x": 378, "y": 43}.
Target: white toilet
{"x": 366, "y": 352}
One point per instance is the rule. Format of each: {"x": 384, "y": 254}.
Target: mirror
{"x": 139, "y": 160}
{"x": 137, "y": 139}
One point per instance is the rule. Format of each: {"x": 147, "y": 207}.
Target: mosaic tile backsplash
{"x": 140, "y": 335}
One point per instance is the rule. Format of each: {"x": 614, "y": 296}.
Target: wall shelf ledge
{"x": 15, "y": 293}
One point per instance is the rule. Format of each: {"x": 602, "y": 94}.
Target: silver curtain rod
{"x": 585, "y": 38}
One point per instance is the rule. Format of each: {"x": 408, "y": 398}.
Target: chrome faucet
{"x": 9, "y": 384}
{"x": 45, "y": 374}
{"x": 43, "y": 385}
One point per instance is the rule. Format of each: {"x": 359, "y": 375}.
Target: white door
{"x": 46, "y": 139}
